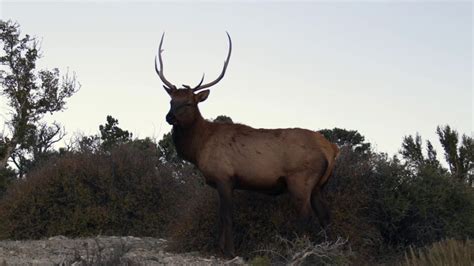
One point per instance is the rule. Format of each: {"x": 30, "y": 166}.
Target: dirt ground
{"x": 100, "y": 250}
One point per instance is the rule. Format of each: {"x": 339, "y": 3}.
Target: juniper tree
{"x": 111, "y": 134}
{"x": 459, "y": 156}
{"x": 30, "y": 94}
{"x": 347, "y": 138}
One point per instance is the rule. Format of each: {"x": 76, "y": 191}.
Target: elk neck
{"x": 190, "y": 140}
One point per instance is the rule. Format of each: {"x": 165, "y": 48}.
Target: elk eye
{"x": 182, "y": 107}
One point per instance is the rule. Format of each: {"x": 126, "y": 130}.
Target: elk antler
{"x": 226, "y": 62}
{"x": 168, "y": 86}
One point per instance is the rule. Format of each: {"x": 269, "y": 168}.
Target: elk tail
{"x": 331, "y": 163}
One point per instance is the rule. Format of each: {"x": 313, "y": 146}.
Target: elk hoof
{"x": 228, "y": 252}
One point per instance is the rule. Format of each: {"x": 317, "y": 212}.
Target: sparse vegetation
{"x": 380, "y": 205}
{"x": 398, "y": 209}
{"x": 303, "y": 251}
{"x": 90, "y": 193}
{"x": 446, "y": 252}
{"x": 98, "y": 255}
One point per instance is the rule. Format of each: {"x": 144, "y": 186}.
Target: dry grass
{"x": 446, "y": 252}
{"x": 304, "y": 251}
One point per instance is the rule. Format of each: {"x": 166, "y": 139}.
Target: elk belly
{"x": 260, "y": 171}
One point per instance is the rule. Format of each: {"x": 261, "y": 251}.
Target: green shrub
{"x": 258, "y": 218}
{"x": 350, "y": 195}
{"x": 379, "y": 204}
{"x": 376, "y": 203}
{"x": 418, "y": 209}
{"x": 120, "y": 192}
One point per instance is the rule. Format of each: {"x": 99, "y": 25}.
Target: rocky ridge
{"x": 100, "y": 250}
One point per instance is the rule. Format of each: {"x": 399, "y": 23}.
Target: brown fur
{"x": 235, "y": 156}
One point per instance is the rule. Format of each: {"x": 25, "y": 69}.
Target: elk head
{"x": 184, "y": 101}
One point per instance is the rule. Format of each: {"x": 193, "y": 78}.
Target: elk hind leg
{"x": 320, "y": 207}
{"x": 317, "y": 202}
{"x": 301, "y": 195}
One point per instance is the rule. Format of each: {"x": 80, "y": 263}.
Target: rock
{"x": 236, "y": 261}
{"x": 109, "y": 250}
{"x": 167, "y": 260}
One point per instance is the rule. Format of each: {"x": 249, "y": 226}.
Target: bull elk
{"x": 236, "y": 156}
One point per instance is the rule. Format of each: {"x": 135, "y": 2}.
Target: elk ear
{"x": 201, "y": 96}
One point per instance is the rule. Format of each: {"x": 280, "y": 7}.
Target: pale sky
{"x": 384, "y": 68}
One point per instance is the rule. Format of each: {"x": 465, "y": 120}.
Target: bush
{"x": 258, "y": 218}
{"x": 350, "y": 193}
{"x": 419, "y": 209}
{"x": 377, "y": 203}
{"x": 79, "y": 194}
{"x": 7, "y": 176}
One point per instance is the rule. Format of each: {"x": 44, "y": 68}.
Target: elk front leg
{"x": 226, "y": 239}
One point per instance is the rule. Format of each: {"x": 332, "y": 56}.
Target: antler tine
{"x": 200, "y": 82}
{"x": 226, "y": 62}
{"x": 168, "y": 86}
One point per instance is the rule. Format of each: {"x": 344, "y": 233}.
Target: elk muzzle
{"x": 171, "y": 119}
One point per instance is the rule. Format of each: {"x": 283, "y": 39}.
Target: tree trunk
{"x": 4, "y": 160}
